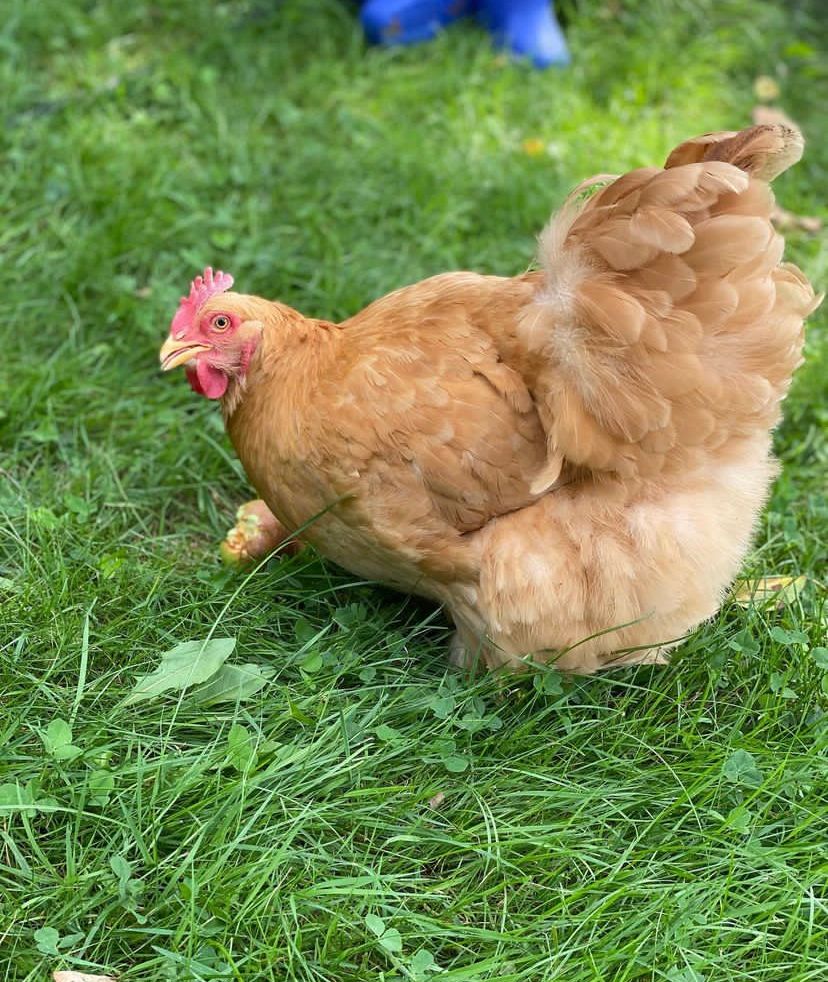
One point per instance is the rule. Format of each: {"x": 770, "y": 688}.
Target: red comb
{"x": 201, "y": 289}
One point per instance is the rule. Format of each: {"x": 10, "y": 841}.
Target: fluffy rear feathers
{"x": 666, "y": 326}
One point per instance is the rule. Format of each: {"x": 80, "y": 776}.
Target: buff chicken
{"x": 570, "y": 461}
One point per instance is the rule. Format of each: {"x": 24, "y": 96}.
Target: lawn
{"x": 367, "y": 814}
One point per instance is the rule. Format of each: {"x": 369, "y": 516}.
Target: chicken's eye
{"x": 221, "y": 322}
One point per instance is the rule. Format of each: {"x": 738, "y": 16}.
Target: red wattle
{"x": 192, "y": 378}
{"x": 206, "y": 380}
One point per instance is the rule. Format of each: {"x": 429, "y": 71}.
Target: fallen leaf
{"x": 779, "y": 590}
{"x": 437, "y": 800}
{"x": 184, "y": 665}
{"x": 765, "y": 88}
{"x": 81, "y": 977}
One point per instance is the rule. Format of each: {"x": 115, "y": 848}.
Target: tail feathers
{"x": 762, "y": 151}
{"x": 666, "y": 325}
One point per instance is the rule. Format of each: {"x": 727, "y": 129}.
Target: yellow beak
{"x": 175, "y": 353}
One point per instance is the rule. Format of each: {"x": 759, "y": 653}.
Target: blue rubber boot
{"x": 527, "y": 28}
{"x": 409, "y": 21}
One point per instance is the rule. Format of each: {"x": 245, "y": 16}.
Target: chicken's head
{"x": 213, "y": 334}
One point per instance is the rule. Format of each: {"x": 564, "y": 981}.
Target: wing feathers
{"x": 668, "y": 231}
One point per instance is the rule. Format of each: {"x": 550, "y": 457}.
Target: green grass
{"x": 583, "y": 830}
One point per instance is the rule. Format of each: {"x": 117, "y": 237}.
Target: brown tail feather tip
{"x": 762, "y": 151}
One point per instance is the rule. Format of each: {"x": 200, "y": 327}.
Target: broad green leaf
{"x": 799, "y": 49}
{"x": 14, "y": 796}
{"x": 232, "y": 683}
{"x": 387, "y": 733}
{"x": 472, "y": 724}
{"x": 744, "y": 642}
{"x": 67, "y": 752}
{"x": 442, "y": 705}
{"x": 777, "y": 684}
{"x": 548, "y": 682}
{"x": 422, "y": 962}
{"x": 187, "y": 664}
{"x": 741, "y": 768}
{"x": 57, "y": 733}
{"x": 788, "y": 637}
{"x": 389, "y": 937}
{"x": 820, "y": 656}
{"x": 740, "y": 818}
{"x": 110, "y": 563}
{"x": 241, "y": 747}
{"x": 311, "y": 662}
{"x": 305, "y": 632}
{"x": 391, "y": 940}
{"x": 350, "y": 616}
{"x": 57, "y": 739}
{"x": 456, "y": 763}
{"x": 47, "y": 939}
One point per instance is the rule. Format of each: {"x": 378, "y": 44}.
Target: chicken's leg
{"x": 256, "y": 534}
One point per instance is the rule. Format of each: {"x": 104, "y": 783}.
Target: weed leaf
{"x": 741, "y": 768}
{"x": 46, "y": 939}
{"x": 188, "y": 663}
{"x": 57, "y": 740}
{"x": 820, "y": 656}
{"x": 232, "y": 683}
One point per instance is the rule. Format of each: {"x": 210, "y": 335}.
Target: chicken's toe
{"x": 256, "y": 534}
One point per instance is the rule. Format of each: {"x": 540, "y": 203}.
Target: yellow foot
{"x": 256, "y": 534}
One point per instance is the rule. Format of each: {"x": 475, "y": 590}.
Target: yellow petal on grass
{"x": 533, "y": 147}
{"x": 765, "y": 88}
{"x": 779, "y": 590}
{"x": 80, "y": 977}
